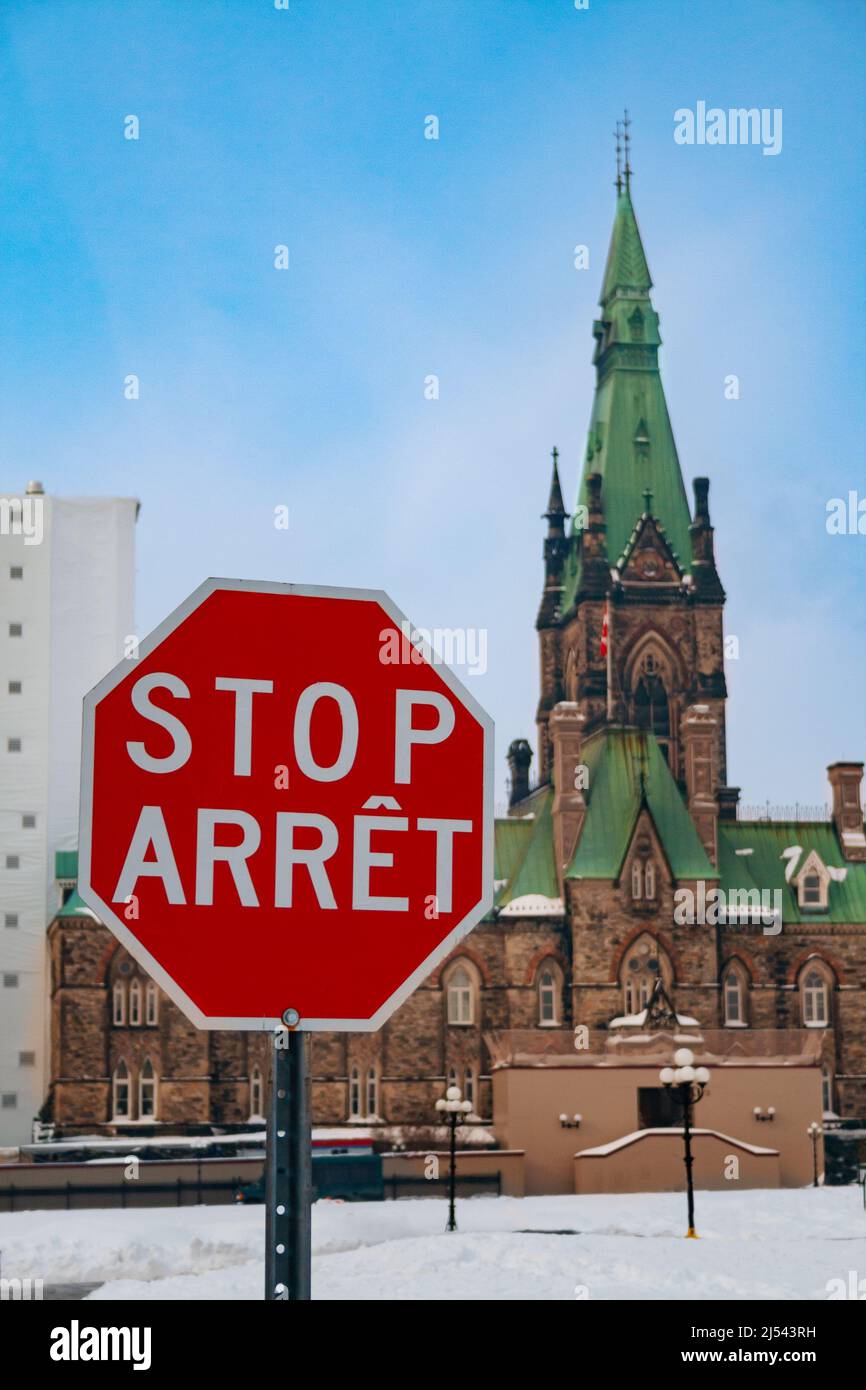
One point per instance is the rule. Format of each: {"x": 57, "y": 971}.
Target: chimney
{"x": 519, "y": 758}
{"x": 845, "y": 779}
{"x": 728, "y": 799}
{"x": 569, "y": 779}
{"x": 699, "y": 732}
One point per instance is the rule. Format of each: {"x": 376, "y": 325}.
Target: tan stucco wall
{"x": 527, "y": 1103}
{"x": 654, "y": 1163}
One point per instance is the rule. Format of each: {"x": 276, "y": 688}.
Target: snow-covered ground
{"x": 754, "y": 1245}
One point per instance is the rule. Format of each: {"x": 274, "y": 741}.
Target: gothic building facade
{"x": 623, "y": 861}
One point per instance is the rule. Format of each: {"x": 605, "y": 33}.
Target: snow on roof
{"x": 638, "y": 1020}
{"x": 533, "y": 905}
{"x": 602, "y": 1150}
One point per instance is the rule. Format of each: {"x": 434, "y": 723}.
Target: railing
{"x": 433, "y": 1186}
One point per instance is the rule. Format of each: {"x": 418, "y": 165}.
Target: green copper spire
{"x": 630, "y": 442}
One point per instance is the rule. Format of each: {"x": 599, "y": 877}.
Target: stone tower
{"x": 630, "y": 624}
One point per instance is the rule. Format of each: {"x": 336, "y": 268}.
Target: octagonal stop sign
{"x": 286, "y": 804}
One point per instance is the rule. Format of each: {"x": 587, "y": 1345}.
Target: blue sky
{"x": 410, "y": 257}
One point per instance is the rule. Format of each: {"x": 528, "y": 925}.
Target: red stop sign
{"x": 286, "y": 804}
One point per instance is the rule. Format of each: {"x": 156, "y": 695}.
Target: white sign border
{"x": 116, "y": 926}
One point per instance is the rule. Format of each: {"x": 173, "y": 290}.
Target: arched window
{"x": 354, "y": 1094}
{"x": 643, "y": 876}
{"x": 135, "y": 1003}
{"x": 453, "y": 1077}
{"x": 733, "y": 996}
{"x": 372, "y": 1091}
{"x": 649, "y": 707}
{"x": 151, "y": 1014}
{"x": 120, "y": 1092}
{"x": 637, "y": 880}
{"x": 642, "y": 965}
{"x": 118, "y": 1004}
{"x": 147, "y": 1092}
{"x": 549, "y": 994}
{"x": 815, "y": 993}
{"x": 461, "y": 996}
{"x": 257, "y": 1095}
{"x": 469, "y": 1086}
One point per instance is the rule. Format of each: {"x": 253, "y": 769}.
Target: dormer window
{"x": 812, "y": 883}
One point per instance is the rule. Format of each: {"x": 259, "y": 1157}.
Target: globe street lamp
{"x": 454, "y": 1108}
{"x": 687, "y": 1084}
{"x": 814, "y": 1132}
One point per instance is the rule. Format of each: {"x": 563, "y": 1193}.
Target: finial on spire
{"x": 648, "y": 501}
{"x": 555, "y": 506}
{"x": 626, "y": 122}
{"x": 618, "y": 138}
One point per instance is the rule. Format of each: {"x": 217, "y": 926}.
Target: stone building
{"x": 622, "y": 863}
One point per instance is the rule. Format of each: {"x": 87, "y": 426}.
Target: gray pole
{"x": 300, "y": 1168}
{"x": 277, "y": 1174}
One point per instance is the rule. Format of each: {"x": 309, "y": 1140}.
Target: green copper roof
{"x": 66, "y": 863}
{"x": 75, "y": 906}
{"x": 534, "y": 866}
{"x": 630, "y": 441}
{"x": 765, "y": 867}
{"x": 626, "y": 267}
{"x": 626, "y": 768}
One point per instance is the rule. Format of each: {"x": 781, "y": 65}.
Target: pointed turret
{"x": 555, "y": 548}
{"x": 630, "y": 443}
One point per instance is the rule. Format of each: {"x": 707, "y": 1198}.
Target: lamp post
{"x": 453, "y": 1108}
{"x": 814, "y": 1132}
{"x": 687, "y": 1084}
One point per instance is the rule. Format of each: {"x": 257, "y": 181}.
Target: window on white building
{"x": 14, "y": 687}
{"x": 10, "y": 981}
{"x": 10, "y": 919}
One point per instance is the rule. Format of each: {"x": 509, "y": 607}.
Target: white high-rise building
{"x": 67, "y": 576}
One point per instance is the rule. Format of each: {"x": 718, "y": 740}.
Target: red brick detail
{"x": 737, "y": 953}
{"x": 463, "y": 952}
{"x": 542, "y": 954}
{"x": 823, "y": 956}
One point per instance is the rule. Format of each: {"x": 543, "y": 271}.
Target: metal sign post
{"x": 300, "y": 1167}
{"x": 288, "y": 1180}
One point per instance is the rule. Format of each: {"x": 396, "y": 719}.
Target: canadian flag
{"x": 602, "y": 646}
